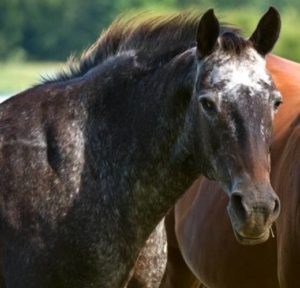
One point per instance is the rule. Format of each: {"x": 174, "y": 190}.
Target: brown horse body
{"x": 285, "y": 175}
{"x": 203, "y": 236}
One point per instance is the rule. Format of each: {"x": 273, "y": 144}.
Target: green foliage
{"x": 53, "y": 29}
{"x": 10, "y": 22}
{"x": 288, "y": 45}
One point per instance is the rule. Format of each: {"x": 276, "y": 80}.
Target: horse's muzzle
{"x": 252, "y": 213}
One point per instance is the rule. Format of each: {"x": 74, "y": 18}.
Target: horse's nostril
{"x": 276, "y": 209}
{"x": 238, "y": 206}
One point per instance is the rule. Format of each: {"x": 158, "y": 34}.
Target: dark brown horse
{"x": 203, "y": 237}
{"x": 90, "y": 161}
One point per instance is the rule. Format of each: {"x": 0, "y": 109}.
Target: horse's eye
{"x": 208, "y": 104}
{"x": 277, "y": 103}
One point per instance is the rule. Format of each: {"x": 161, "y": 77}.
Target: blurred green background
{"x": 36, "y": 36}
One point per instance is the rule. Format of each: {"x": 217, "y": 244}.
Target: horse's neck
{"x": 143, "y": 143}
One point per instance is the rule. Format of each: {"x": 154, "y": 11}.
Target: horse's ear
{"x": 208, "y": 33}
{"x": 267, "y": 32}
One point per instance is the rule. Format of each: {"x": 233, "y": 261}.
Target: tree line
{"x": 52, "y": 29}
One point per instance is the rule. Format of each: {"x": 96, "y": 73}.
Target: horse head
{"x": 234, "y": 102}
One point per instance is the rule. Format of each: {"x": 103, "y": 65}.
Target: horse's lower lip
{"x": 252, "y": 240}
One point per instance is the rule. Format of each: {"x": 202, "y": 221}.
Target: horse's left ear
{"x": 267, "y": 32}
{"x": 207, "y": 33}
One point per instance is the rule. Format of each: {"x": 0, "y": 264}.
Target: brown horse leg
{"x": 177, "y": 273}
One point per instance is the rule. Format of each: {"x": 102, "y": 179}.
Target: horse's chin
{"x": 252, "y": 240}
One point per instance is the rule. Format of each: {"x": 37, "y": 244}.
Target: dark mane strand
{"x": 156, "y": 39}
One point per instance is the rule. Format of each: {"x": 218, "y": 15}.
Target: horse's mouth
{"x": 252, "y": 240}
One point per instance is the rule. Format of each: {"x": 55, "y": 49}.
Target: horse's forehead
{"x": 247, "y": 70}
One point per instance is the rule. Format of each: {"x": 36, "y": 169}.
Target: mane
{"x": 159, "y": 38}
{"x": 233, "y": 43}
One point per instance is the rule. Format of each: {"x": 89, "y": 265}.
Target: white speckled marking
{"x": 248, "y": 71}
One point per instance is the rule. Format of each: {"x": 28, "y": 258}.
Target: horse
{"x": 202, "y": 250}
{"x": 92, "y": 158}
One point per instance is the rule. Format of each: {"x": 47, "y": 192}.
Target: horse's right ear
{"x": 267, "y": 32}
{"x": 208, "y": 33}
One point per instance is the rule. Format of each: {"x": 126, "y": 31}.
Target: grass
{"x": 17, "y": 76}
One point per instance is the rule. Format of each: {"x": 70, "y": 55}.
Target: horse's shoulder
{"x": 289, "y": 163}
{"x": 295, "y": 123}
{"x": 294, "y": 138}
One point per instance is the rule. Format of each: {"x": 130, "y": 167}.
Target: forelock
{"x": 233, "y": 43}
